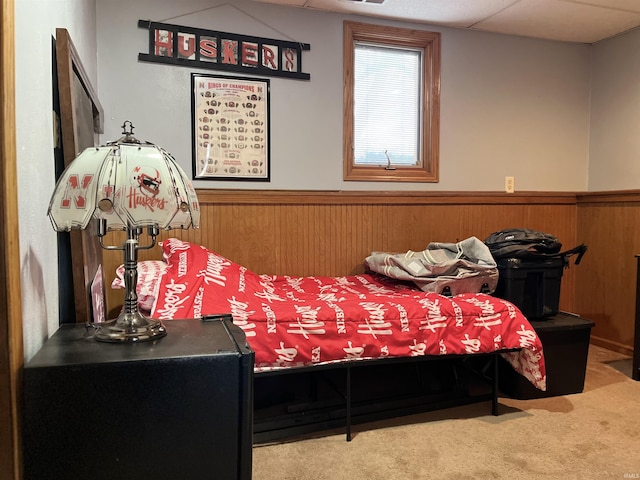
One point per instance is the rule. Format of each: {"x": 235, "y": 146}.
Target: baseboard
{"x": 610, "y": 345}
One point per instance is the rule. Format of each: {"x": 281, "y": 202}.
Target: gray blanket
{"x": 463, "y": 267}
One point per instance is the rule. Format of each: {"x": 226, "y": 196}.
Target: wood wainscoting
{"x": 609, "y": 223}
{"x": 331, "y": 232}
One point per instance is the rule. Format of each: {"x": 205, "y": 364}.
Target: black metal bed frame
{"x": 319, "y": 415}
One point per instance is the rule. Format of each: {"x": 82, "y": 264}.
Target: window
{"x": 391, "y": 103}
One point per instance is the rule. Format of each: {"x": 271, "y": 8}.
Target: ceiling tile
{"x": 628, "y": 5}
{"x": 582, "y": 21}
{"x": 291, "y": 3}
{"x": 455, "y": 13}
{"x": 560, "y": 20}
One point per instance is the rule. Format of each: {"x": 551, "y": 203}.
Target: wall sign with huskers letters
{"x": 198, "y": 48}
{"x": 230, "y": 135}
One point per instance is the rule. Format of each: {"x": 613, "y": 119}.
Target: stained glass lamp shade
{"x": 125, "y": 185}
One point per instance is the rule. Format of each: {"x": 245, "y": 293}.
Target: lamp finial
{"x": 127, "y": 134}
{"x": 124, "y": 127}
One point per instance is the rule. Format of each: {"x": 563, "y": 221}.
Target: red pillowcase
{"x": 199, "y": 282}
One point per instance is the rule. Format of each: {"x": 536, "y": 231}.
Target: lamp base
{"x": 129, "y": 328}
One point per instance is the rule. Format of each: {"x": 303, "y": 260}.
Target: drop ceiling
{"x": 576, "y": 21}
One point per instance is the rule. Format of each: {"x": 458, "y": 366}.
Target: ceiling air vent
{"x": 366, "y": 1}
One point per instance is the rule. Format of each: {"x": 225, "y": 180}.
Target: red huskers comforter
{"x": 302, "y": 321}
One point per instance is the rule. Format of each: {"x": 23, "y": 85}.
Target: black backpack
{"x": 514, "y": 241}
{"x": 524, "y": 242}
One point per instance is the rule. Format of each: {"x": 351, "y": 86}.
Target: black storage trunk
{"x": 565, "y": 343}
{"x": 532, "y": 284}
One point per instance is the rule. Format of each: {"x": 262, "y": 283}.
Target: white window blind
{"x": 387, "y": 86}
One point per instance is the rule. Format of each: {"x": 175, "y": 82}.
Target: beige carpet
{"x": 591, "y": 435}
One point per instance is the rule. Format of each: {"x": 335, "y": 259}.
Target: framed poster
{"x": 230, "y": 128}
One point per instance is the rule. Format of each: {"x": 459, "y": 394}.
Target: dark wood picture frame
{"x": 81, "y": 119}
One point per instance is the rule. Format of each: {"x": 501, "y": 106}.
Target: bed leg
{"x": 348, "y": 419}
{"x": 494, "y": 401}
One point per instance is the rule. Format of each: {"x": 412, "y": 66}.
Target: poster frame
{"x": 230, "y": 128}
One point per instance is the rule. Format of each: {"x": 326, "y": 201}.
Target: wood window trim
{"x": 429, "y": 42}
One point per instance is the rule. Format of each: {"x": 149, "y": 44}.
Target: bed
{"x": 297, "y": 324}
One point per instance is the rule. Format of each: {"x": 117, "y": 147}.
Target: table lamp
{"x": 125, "y": 185}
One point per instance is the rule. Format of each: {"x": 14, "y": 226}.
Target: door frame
{"x": 11, "y": 343}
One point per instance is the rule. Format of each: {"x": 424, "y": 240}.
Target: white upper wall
{"x": 509, "y": 106}
{"x": 615, "y": 114}
{"x": 36, "y": 22}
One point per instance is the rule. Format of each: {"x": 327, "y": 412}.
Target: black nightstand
{"x": 180, "y": 407}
